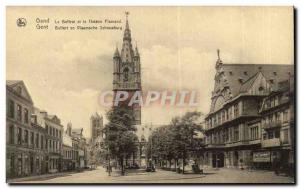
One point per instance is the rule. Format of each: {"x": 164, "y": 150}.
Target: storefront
{"x": 262, "y": 159}
{"x": 265, "y": 158}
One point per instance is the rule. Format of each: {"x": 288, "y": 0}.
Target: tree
{"x": 185, "y": 129}
{"x": 120, "y": 137}
{"x": 176, "y": 140}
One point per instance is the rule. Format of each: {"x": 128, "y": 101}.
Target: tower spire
{"x": 127, "y": 25}
{"x": 117, "y": 54}
{"x": 127, "y": 30}
{"x": 127, "y": 52}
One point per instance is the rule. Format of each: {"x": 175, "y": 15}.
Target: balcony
{"x": 272, "y": 124}
{"x": 270, "y": 143}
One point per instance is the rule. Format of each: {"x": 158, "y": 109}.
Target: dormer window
{"x": 272, "y": 81}
{"x": 245, "y": 73}
{"x": 261, "y": 90}
{"x": 275, "y": 73}
{"x": 230, "y": 73}
{"x": 240, "y": 80}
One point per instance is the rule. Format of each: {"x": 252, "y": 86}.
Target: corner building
{"x": 233, "y": 129}
{"x": 25, "y": 139}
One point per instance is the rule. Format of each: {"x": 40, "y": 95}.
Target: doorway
{"x": 218, "y": 160}
{"x": 236, "y": 159}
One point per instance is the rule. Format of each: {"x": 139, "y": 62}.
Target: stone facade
{"x": 96, "y": 124}
{"x": 25, "y": 140}
{"x": 70, "y": 153}
{"x": 75, "y": 149}
{"x": 127, "y": 72}
{"x": 127, "y": 78}
{"x": 35, "y": 140}
{"x": 80, "y": 145}
{"x": 233, "y": 127}
{"x": 277, "y": 124}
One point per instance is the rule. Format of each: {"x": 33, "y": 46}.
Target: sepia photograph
{"x": 150, "y": 95}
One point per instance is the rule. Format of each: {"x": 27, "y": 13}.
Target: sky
{"x": 65, "y": 71}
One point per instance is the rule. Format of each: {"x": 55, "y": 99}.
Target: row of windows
{"x": 21, "y": 114}
{"x": 53, "y": 145}
{"x": 277, "y": 117}
{"x": 225, "y": 115}
{"x": 25, "y": 137}
{"x": 232, "y": 135}
{"x": 275, "y": 101}
{"x": 254, "y": 133}
{"x": 271, "y": 134}
{"x": 225, "y": 135}
{"x": 272, "y": 102}
{"x": 71, "y": 154}
{"x": 53, "y": 131}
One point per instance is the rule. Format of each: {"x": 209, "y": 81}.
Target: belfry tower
{"x": 127, "y": 71}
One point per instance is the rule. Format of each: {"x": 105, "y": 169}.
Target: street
{"x": 160, "y": 176}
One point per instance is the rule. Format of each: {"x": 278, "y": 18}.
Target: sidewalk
{"x": 40, "y": 177}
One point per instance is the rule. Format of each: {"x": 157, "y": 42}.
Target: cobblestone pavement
{"x": 160, "y": 176}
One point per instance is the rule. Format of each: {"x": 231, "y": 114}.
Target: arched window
{"x": 261, "y": 90}
{"x": 126, "y": 74}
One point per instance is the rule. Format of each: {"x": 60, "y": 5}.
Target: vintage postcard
{"x": 168, "y": 95}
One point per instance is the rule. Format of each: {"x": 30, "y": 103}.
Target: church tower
{"x": 96, "y": 124}
{"x": 127, "y": 71}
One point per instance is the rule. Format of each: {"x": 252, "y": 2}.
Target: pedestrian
{"x": 109, "y": 170}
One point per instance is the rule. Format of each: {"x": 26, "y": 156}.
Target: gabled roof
{"x": 13, "y": 84}
{"x": 247, "y": 84}
{"x": 235, "y": 79}
{"x": 234, "y": 73}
